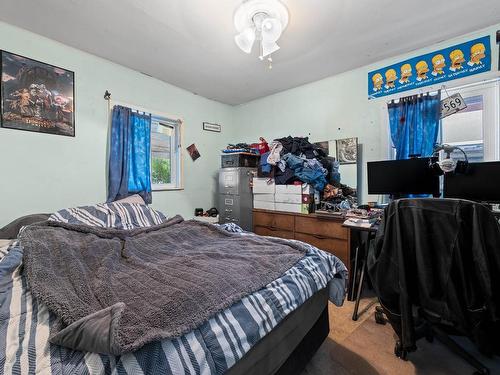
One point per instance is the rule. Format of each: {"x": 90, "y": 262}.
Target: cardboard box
{"x": 288, "y": 198}
{"x": 263, "y": 197}
{"x": 294, "y": 189}
{"x": 264, "y": 205}
{"x": 263, "y": 185}
{"x": 292, "y": 207}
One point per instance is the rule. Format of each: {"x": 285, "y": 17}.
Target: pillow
{"x": 11, "y": 230}
{"x": 111, "y": 215}
{"x": 136, "y": 198}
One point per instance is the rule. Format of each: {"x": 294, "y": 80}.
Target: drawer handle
{"x": 273, "y": 228}
{"x": 319, "y": 237}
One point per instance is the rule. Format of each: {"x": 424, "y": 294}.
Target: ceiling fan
{"x": 263, "y": 21}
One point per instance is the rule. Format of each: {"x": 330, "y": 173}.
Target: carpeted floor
{"x": 367, "y": 348}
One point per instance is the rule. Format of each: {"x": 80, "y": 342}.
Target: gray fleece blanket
{"x": 113, "y": 291}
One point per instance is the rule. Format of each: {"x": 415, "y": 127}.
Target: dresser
{"x": 327, "y": 234}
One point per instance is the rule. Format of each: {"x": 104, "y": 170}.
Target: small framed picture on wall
{"x": 36, "y": 96}
{"x": 347, "y": 150}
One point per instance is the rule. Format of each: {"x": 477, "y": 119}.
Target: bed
{"x": 273, "y": 330}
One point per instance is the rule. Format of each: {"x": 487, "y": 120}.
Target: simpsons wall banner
{"x": 451, "y": 63}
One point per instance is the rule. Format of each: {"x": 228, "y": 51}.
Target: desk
{"x": 360, "y": 263}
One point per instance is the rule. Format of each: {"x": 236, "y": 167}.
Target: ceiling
{"x": 189, "y": 43}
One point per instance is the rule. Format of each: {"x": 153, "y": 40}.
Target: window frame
{"x": 490, "y": 89}
{"x": 177, "y": 165}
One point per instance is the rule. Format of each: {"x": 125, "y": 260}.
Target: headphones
{"x": 448, "y": 165}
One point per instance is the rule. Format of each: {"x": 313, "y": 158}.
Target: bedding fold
{"x": 114, "y": 290}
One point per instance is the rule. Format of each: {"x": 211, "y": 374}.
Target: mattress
{"x": 271, "y": 354}
{"x": 213, "y": 348}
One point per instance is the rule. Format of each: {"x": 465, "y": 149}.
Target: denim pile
{"x": 293, "y": 159}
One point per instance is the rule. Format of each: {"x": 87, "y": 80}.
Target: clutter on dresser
{"x": 363, "y": 218}
{"x": 292, "y": 175}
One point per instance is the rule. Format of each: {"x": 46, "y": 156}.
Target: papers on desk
{"x": 360, "y": 223}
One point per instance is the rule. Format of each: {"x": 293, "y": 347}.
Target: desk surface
{"x": 373, "y": 228}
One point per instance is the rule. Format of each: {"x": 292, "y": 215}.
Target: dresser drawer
{"x": 323, "y": 228}
{"x": 266, "y": 231}
{"x": 333, "y": 246}
{"x": 274, "y": 221}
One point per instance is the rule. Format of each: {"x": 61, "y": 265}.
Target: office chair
{"x": 435, "y": 266}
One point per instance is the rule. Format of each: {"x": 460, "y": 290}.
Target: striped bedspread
{"x": 210, "y": 349}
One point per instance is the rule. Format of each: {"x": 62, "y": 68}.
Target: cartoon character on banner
{"x": 422, "y": 69}
{"x": 438, "y": 64}
{"x": 457, "y": 59}
{"x": 477, "y": 53}
{"x": 378, "y": 81}
{"x": 390, "y": 78}
{"x": 406, "y": 73}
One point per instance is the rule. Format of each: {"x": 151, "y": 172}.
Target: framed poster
{"x": 347, "y": 150}
{"x": 212, "y": 127}
{"x": 35, "y": 96}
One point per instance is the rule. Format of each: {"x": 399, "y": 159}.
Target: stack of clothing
{"x": 292, "y": 159}
{"x": 240, "y": 147}
{"x": 254, "y": 148}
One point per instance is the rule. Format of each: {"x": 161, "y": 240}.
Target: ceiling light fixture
{"x": 262, "y": 20}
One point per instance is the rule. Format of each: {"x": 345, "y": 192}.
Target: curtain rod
{"x": 157, "y": 114}
{"x": 445, "y": 87}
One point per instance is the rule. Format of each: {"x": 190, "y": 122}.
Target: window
{"x": 465, "y": 129}
{"x": 166, "y": 163}
{"x": 474, "y": 129}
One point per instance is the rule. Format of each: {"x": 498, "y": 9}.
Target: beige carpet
{"x": 367, "y": 348}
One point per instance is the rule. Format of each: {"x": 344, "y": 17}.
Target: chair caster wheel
{"x": 400, "y": 352}
{"x": 379, "y": 318}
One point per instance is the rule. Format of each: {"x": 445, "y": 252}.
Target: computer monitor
{"x": 403, "y": 177}
{"x": 481, "y": 183}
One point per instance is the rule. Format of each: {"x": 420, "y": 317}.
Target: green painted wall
{"x": 43, "y": 173}
{"x": 337, "y": 107}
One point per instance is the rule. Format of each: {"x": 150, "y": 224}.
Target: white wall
{"x": 43, "y": 173}
{"x": 337, "y": 107}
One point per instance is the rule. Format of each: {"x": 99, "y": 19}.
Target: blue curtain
{"x": 414, "y": 123}
{"x": 139, "y": 167}
{"x": 129, "y": 159}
